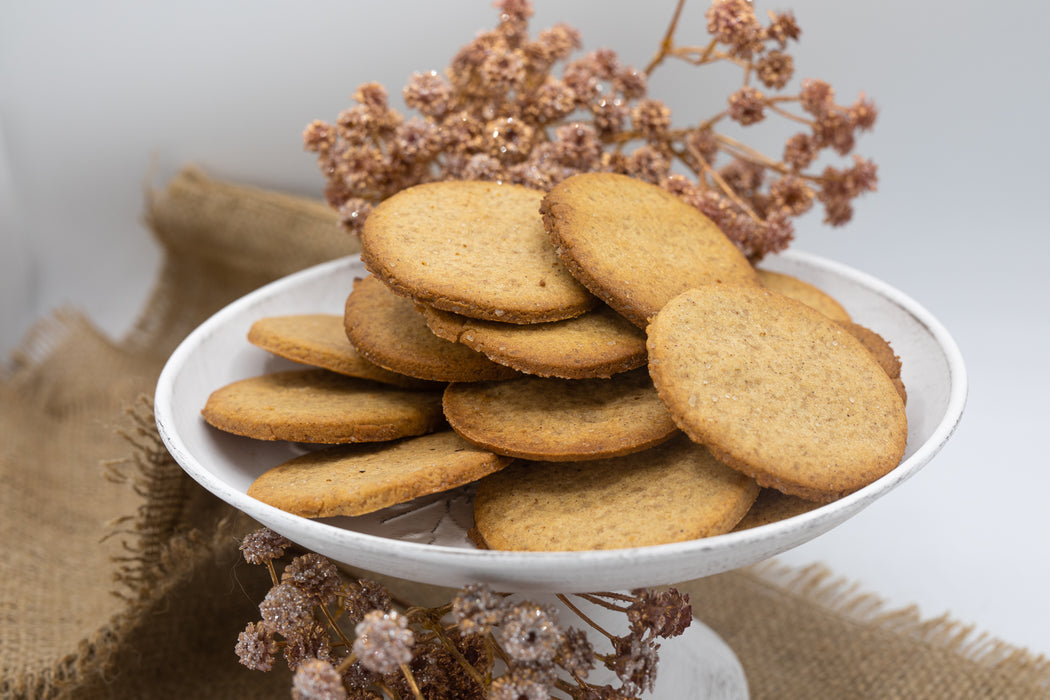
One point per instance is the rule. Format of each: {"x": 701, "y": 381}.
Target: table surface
{"x": 958, "y": 223}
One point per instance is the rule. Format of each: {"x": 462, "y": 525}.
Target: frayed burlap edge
{"x": 838, "y": 595}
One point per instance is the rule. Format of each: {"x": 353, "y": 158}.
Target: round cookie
{"x": 882, "y": 352}
{"x": 772, "y": 506}
{"x": 320, "y": 340}
{"x": 388, "y": 330}
{"x": 673, "y": 492}
{"x": 777, "y": 390}
{"x": 358, "y": 479}
{"x": 473, "y": 248}
{"x": 635, "y": 245}
{"x": 560, "y": 419}
{"x": 318, "y": 406}
{"x": 805, "y": 292}
{"x": 599, "y": 343}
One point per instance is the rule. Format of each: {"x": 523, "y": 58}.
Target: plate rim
{"x": 486, "y": 560}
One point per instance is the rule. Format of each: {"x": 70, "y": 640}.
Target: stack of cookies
{"x": 599, "y": 358}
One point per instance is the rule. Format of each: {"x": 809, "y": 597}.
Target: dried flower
{"x": 314, "y": 575}
{"x": 476, "y": 609}
{"x": 364, "y": 596}
{"x": 286, "y": 609}
{"x": 800, "y": 151}
{"x": 256, "y": 647}
{"x": 263, "y": 545}
{"x": 816, "y": 96}
{"x": 577, "y": 653}
{"x": 529, "y": 634}
{"x": 502, "y": 112}
{"x": 652, "y": 118}
{"x": 775, "y": 69}
{"x": 317, "y": 680}
{"x": 660, "y": 613}
{"x": 384, "y": 641}
{"x": 747, "y": 106}
{"x": 635, "y": 663}
{"x": 308, "y": 642}
{"x": 522, "y": 683}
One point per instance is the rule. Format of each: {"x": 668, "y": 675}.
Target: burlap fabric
{"x": 121, "y": 577}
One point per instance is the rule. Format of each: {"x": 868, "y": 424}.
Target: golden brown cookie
{"x": 635, "y": 245}
{"x": 319, "y": 406}
{"x": 673, "y": 492}
{"x": 805, "y": 292}
{"x": 560, "y": 419}
{"x": 358, "y": 479}
{"x": 320, "y": 340}
{"x": 772, "y": 506}
{"x": 388, "y": 330}
{"x": 599, "y": 343}
{"x": 777, "y": 390}
{"x": 883, "y": 353}
{"x": 473, "y": 248}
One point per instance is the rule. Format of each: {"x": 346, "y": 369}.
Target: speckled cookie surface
{"x": 599, "y": 343}
{"x": 319, "y": 406}
{"x": 882, "y": 351}
{"x": 560, "y": 419}
{"x": 388, "y": 331}
{"x": 320, "y": 340}
{"x": 358, "y": 479}
{"x": 772, "y": 506}
{"x": 776, "y": 389}
{"x": 670, "y": 493}
{"x": 474, "y": 248}
{"x": 635, "y": 245}
{"x": 805, "y": 292}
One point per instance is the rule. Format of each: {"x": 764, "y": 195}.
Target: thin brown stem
{"x": 334, "y": 626}
{"x": 742, "y": 149}
{"x": 565, "y": 599}
{"x": 598, "y": 601}
{"x": 411, "y": 680}
{"x": 786, "y": 114}
{"x": 667, "y": 45}
{"x": 273, "y": 572}
{"x": 436, "y": 627}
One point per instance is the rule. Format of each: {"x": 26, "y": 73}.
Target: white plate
{"x": 426, "y": 541}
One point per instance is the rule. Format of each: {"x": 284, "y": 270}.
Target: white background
{"x": 99, "y": 100}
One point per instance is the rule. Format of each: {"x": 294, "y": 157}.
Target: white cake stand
{"x": 426, "y": 541}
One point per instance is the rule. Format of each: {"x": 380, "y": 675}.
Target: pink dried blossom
{"x": 383, "y": 641}
{"x": 317, "y": 680}
{"x": 429, "y": 93}
{"x": 747, "y": 106}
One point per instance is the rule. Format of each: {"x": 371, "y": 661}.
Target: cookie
{"x": 560, "y": 419}
{"x": 772, "y": 506}
{"x": 359, "y": 479}
{"x": 777, "y": 390}
{"x": 388, "y": 331}
{"x": 320, "y": 340}
{"x": 635, "y": 245}
{"x": 883, "y": 353}
{"x": 673, "y": 492}
{"x": 599, "y": 343}
{"x": 473, "y": 248}
{"x": 805, "y": 292}
{"x": 318, "y": 406}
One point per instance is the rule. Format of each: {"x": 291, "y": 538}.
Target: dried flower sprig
{"x": 346, "y": 640}
{"x": 516, "y": 108}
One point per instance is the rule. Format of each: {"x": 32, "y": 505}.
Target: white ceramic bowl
{"x": 426, "y": 540}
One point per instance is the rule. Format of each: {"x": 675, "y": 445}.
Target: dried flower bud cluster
{"x": 345, "y": 639}
{"x": 516, "y": 108}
